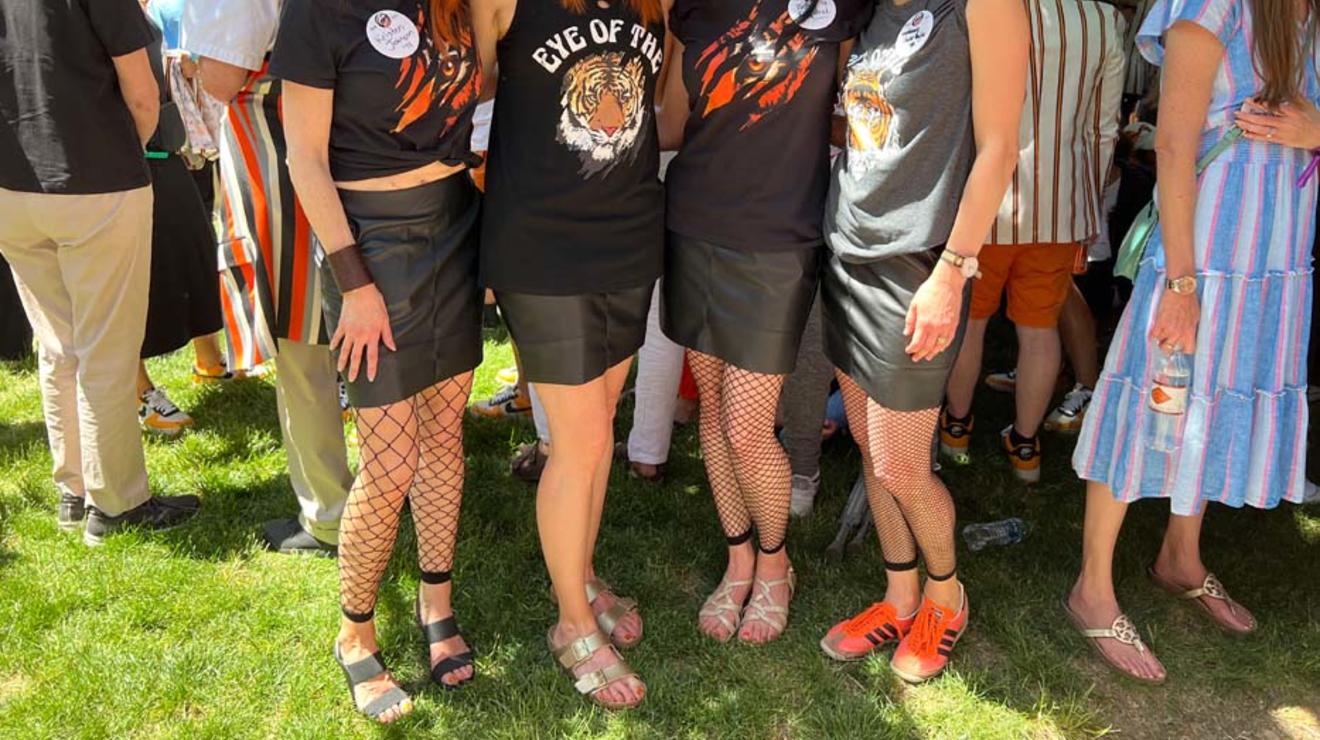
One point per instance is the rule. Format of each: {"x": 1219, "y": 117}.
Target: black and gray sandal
{"x": 434, "y": 632}
{"x": 364, "y": 670}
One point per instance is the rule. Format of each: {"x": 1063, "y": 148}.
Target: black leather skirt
{"x": 864, "y": 311}
{"x": 574, "y": 339}
{"x": 420, "y": 246}
{"x": 746, "y": 308}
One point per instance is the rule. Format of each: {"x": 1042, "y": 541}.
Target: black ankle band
{"x": 1018, "y": 439}
{"x": 776, "y": 549}
{"x": 964, "y": 420}
{"x": 739, "y": 539}
{"x": 932, "y": 577}
{"x": 359, "y": 618}
{"x": 435, "y": 577}
{"x": 900, "y": 567}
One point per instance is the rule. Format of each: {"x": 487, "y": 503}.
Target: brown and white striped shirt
{"x": 1069, "y": 124}
{"x": 1140, "y": 73}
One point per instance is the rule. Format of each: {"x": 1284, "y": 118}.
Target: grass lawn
{"x": 201, "y": 633}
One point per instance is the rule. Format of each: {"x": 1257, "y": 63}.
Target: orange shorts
{"x": 1037, "y": 278}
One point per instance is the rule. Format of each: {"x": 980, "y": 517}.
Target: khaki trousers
{"x": 307, "y": 394}
{"x": 82, "y": 268}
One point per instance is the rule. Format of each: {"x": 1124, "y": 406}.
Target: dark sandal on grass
{"x": 608, "y": 620}
{"x": 445, "y": 629}
{"x": 1210, "y": 589}
{"x": 1122, "y": 630}
{"x": 364, "y": 670}
{"x": 575, "y": 653}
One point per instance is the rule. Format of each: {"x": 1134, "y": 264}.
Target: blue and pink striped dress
{"x": 1244, "y": 436}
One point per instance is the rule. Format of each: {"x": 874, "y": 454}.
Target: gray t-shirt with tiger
{"x": 908, "y": 99}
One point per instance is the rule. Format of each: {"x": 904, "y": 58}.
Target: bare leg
{"x": 206, "y": 351}
{"x": 1092, "y": 597}
{"x": 144, "y": 383}
{"x": 579, "y": 418}
{"x": 1179, "y": 562}
{"x": 966, "y": 370}
{"x": 1038, "y": 372}
{"x": 1077, "y": 332}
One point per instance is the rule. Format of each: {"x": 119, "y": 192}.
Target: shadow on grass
{"x": 17, "y": 437}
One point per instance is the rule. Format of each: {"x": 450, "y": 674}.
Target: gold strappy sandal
{"x": 1210, "y": 588}
{"x": 761, "y": 609}
{"x": 575, "y": 653}
{"x": 609, "y": 619}
{"x": 720, "y": 605}
{"x": 1122, "y": 631}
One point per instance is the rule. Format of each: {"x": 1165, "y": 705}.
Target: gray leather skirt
{"x": 864, "y": 311}
{"x": 746, "y": 308}
{"x": 574, "y": 339}
{"x": 420, "y": 246}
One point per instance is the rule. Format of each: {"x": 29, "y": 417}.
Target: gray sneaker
{"x": 804, "y": 495}
{"x": 73, "y": 510}
{"x": 157, "y": 514}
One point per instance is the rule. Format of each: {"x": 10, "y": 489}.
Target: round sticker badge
{"x": 391, "y": 33}
{"x": 915, "y": 33}
{"x": 821, "y": 16}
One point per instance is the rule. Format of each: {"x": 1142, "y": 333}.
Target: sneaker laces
{"x": 157, "y": 401}
{"x": 877, "y": 615}
{"x": 927, "y": 629}
{"x": 1075, "y": 400}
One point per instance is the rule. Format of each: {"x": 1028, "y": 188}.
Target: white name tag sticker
{"x": 391, "y": 33}
{"x": 915, "y": 33}
{"x": 821, "y": 16}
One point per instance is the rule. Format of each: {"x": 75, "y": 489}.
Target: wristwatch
{"x": 1185, "y": 285}
{"x": 970, "y": 267}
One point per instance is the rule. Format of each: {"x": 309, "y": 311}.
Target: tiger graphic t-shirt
{"x": 401, "y": 100}
{"x": 760, "y": 77}
{"x": 573, "y": 198}
{"x": 907, "y": 95}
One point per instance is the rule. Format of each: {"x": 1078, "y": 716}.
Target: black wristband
{"x": 349, "y": 269}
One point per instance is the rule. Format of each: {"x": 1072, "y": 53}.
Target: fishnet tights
{"x": 748, "y": 468}
{"x": 412, "y": 448}
{"x": 909, "y": 502}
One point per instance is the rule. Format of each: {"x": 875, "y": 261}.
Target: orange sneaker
{"x": 956, "y": 438}
{"x": 924, "y": 653}
{"x": 855, "y": 638}
{"x": 1025, "y": 456}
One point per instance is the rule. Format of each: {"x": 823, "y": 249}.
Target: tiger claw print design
{"x": 603, "y": 100}
{"x": 436, "y": 77}
{"x": 755, "y": 61}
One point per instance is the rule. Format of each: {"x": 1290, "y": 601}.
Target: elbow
{"x": 1172, "y": 150}
{"x": 999, "y": 156}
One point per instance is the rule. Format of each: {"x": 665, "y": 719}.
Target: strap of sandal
{"x": 576, "y": 652}
{"x": 589, "y": 683}
{"x": 363, "y": 670}
{"x": 442, "y": 630}
{"x": 1210, "y": 587}
{"x": 1122, "y": 630}
{"x": 719, "y": 604}
{"x": 622, "y": 606}
{"x": 392, "y": 698}
{"x": 759, "y": 607}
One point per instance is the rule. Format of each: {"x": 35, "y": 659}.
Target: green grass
{"x": 201, "y": 633}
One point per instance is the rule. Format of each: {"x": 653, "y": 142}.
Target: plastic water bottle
{"x": 1006, "y": 532}
{"x": 1168, "y": 399}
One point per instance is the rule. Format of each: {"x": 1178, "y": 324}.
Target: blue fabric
{"x": 168, "y": 15}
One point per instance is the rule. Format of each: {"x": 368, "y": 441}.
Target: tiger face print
{"x": 604, "y": 107}
{"x": 870, "y": 116}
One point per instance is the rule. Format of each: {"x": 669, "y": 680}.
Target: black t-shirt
{"x": 573, "y": 197}
{"x": 401, "y": 100}
{"x": 753, "y": 169}
{"x": 64, "y": 127}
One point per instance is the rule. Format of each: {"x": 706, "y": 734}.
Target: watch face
{"x": 971, "y": 267}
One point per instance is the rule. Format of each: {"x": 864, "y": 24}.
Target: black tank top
{"x": 573, "y": 198}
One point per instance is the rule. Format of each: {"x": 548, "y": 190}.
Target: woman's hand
{"x": 364, "y": 325}
{"x": 932, "y": 319}
{"x": 1176, "y": 319}
{"x": 1295, "y": 125}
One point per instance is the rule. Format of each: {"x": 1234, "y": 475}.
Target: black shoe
{"x": 158, "y": 514}
{"x": 287, "y": 536}
{"x": 73, "y": 510}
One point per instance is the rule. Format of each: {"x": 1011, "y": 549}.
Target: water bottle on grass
{"x": 1006, "y": 532}
{"x": 1168, "y": 399}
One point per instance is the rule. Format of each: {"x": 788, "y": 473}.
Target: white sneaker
{"x": 158, "y": 414}
{"x": 1312, "y": 496}
{"x": 804, "y": 495}
{"x": 1002, "y": 382}
{"x": 1068, "y": 416}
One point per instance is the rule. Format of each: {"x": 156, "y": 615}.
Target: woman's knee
{"x": 747, "y": 435}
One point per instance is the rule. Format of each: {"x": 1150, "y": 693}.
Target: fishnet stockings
{"x": 412, "y": 448}
{"x": 748, "y": 468}
{"x": 909, "y": 502}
